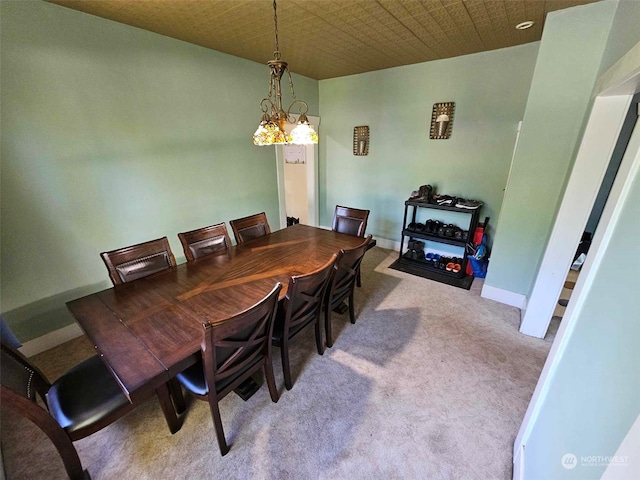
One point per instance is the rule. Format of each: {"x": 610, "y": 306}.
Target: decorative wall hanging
{"x": 294, "y": 154}
{"x": 442, "y": 120}
{"x": 361, "y": 140}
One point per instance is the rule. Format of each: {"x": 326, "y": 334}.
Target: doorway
{"x": 297, "y": 175}
{"x": 598, "y": 207}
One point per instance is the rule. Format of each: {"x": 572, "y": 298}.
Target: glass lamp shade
{"x": 303, "y": 134}
{"x": 268, "y": 133}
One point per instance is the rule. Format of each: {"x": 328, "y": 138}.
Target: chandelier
{"x": 271, "y": 130}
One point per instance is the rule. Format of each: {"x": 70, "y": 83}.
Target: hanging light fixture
{"x": 271, "y": 130}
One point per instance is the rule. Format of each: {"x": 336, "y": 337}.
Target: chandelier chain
{"x": 293, "y": 94}
{"x": 276, "y": 54}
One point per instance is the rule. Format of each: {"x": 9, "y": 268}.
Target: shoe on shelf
{"x": 446, "y": 200}
{"x": 468, "y": 204}
{"x": 450, "y": 266}
{"x": 456, "y": 268}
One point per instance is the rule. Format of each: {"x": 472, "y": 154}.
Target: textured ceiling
{"x": 331, "y": 38}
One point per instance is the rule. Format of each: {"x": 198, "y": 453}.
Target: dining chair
{"x": 232, "y": 351}
{"x": 204, "y": 241}
{"x": 301, "y": 306}
{"x": 248, "y": 228}
{"x": 82, "y": 401}
{"x": 352, "y": 221}
{"x": 343, "y": 284}
{"x": 137, "y": 261}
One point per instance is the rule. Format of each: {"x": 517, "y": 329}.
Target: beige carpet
{"x": 431, "y": 383}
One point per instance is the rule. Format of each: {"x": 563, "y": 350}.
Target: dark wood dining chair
{"x": 248, "y": 228}
{"x": 137, "y": 261}
{"x": 232, "y": 351}
{"x": 82, "y": 401}
{"x": 301, "y": 306}
{"x": 343, "y": 284}
{"x": 204, "y": 241}
{"x": 352, "y": 221}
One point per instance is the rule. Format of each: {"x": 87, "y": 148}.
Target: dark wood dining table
{"x": 148, "y": 330}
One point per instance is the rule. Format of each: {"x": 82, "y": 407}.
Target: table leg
{"x": 167, "y": 408}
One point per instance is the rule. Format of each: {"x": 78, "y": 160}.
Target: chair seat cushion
{"x": 193, "y": 378}
{"x": 84, "y": 395}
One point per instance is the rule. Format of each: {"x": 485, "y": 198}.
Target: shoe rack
{"x": 416, "y": 233}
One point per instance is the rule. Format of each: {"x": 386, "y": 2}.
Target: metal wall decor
{"x": 442, "y": 120}
{"x": 361, "y": 140}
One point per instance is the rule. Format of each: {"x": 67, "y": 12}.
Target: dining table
{"x": 148, "y": 330}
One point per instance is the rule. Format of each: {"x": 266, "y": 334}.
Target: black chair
{"x": 351, "y": 221}
{"x": 82, "y": 401}
{"x": 232, "y": 351}
{"x": 137, "y": 261}
{"x": 204, "y": 241}
{"x": 301, "y": 306}
{"x": 343, "y": 284}
{"x": 248, "y": 228}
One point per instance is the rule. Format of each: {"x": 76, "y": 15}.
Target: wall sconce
{"x": 442, "y": 120}
{"x": 361, "y": 140}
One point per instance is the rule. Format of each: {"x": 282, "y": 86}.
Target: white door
{"x": 297, "y": 171}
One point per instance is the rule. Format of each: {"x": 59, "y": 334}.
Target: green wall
{"x": 490, "y": 91}
{"x": 112, "y": 135}
{"x": 568, "y": 63}
{"x": 593, "y": 398}
{"x": 594, "y": 395}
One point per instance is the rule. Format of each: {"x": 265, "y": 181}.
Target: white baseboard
{"x": 518, "y": 464}
{"x": 51, "y": 339}
{"x": 504, "y": 296}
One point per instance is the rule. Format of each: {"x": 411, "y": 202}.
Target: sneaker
{"x": 468, "y": 204}
{"x": 446, "y": 200}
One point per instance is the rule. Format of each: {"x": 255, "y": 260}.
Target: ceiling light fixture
{"x": 271, "y": 130}
{"x": 525, "y": 25}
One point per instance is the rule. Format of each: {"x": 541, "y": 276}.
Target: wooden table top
{"x": 150, "y": 329}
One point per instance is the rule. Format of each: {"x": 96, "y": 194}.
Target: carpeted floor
{"x": 432, "y": 382}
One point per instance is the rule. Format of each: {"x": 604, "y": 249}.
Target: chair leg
{"x": 319, "y": 342}
{"x": 175, "y": 390}
{"x": 286, "y": 369}
{"x": 167, "y": 408}
{"x": 358, "y": 279}
{"x": 352, "y": 313}
{"x": 271, "y": 380}
{"x": 217, "y": 423}
{"x": 327, "y": 325}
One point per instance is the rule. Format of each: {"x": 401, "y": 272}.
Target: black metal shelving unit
{"x": 409, "y": 234}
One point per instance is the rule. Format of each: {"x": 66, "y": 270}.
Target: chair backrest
{"x": 305, "y": 295}
{"x": 346, "y": 272}
{"x": 351, "y": 221}
{"x": 137, "y": 261}
{"x": 203, "y": 241}
{"x": 20, "y": 375}
{"x": 247, "y": 228}
{"x": 234, "y": 345}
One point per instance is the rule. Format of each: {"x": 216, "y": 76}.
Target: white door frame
{"x": 615, "y": 90}
{"x": 311, "y": 154}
